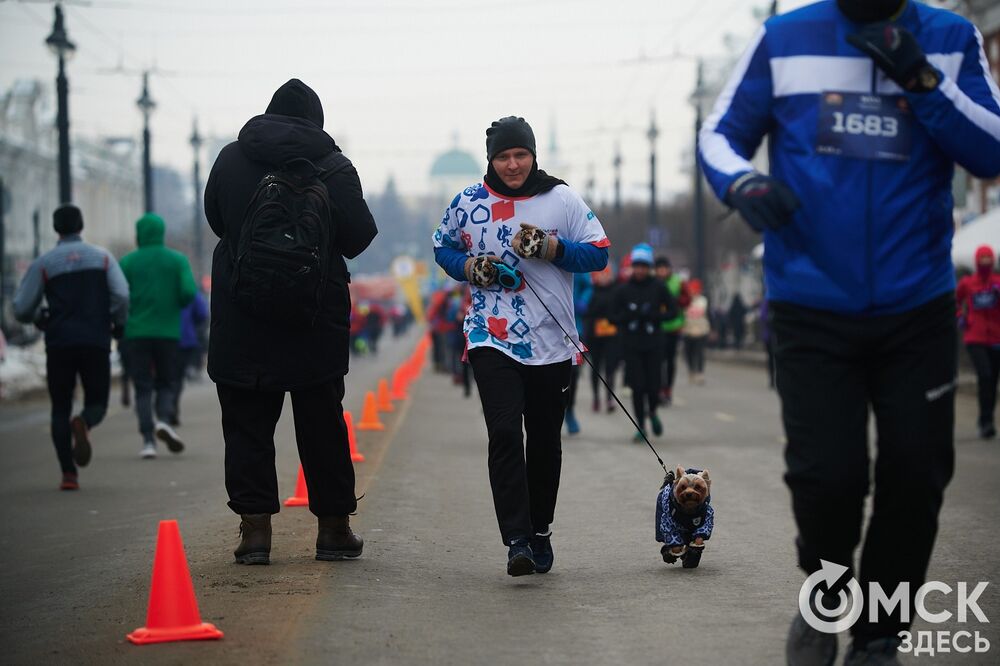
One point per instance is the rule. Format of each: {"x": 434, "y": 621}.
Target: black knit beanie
{"x": 67, "y": 219}
{"x": 507, "y": 133}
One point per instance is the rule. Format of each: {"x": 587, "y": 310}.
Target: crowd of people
{"x": 371, "y": 318}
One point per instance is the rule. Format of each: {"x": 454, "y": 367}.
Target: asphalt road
{"x": 431, "y": 586}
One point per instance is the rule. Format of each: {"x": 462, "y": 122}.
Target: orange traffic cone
{"x": 384, "y": 401}
{"x": 352, "y": 438}
{"x": 173, "y": 610}
{"x": 369, "y": 415}
{"x": 413, "y": 365}
{"x": 301, "y": 496}
{"x": 399, "y": 383}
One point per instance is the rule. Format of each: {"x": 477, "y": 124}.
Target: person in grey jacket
{"x": 87, "y": 299}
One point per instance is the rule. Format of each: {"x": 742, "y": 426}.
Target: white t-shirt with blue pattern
{"x": 479, "y": 221}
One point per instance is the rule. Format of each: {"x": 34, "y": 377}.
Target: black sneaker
{"x": 806, "y": 646}
{"x": 520, "y": 561}
{"x": 987, "y": 431}
{"x": 81, "y": 441}
{"x": 541, "y": 551}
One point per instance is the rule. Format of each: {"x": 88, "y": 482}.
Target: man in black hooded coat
{"x": 255, "y": 361}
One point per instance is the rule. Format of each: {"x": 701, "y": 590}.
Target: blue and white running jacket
{"x": 873, "y": 235}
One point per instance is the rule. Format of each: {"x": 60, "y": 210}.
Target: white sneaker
{"x": 148, "y": 450}
{"x": 169, "y": 436}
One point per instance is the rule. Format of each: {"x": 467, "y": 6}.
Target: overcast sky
{"x": 400, "y": 80}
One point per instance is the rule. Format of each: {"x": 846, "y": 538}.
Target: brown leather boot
{"x": 336, "y": 541}
{"x": 255, "y": 539}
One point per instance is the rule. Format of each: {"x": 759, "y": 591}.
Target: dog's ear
{"x": 704, "y": 474}
{"x": 679, "y": 472}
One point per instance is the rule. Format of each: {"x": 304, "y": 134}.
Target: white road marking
{"x": 722, "y": 416}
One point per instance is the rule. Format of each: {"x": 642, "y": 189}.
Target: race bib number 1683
{"x": 871, "y": 127}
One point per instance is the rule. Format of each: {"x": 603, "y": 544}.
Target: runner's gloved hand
{"x": 480, "y": 271}
{"x": 531, "y": 241}
{"x": 762, "y": 201}
{"x": 42, "y": 319}
{"x": 896, "y": 52}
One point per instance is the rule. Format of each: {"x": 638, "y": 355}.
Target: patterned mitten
{"x": 532, "y": 242}
{"x": 480, "y": 271}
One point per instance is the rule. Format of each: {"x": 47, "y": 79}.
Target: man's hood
{"x": 292, "y": 126}
{"x": 298, "y": 100}
{"x": 149, "y": 230}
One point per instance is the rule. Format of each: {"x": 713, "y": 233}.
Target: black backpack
{"x": 281, "y": 263}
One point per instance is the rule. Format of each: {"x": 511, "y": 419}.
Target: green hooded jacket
{"x": 160, "y": 283}
{"x": 674, "y": 287}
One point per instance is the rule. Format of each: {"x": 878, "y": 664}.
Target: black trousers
{"x": 248, "y": 421}
{"x": 604, "y": 354}
{"x": 62, "y": 366}
{"x": 642, "y": 375}
{"x": 986, "y": 360}
{"x": 574, "y": 383}
{"x": 694, "y": 353}
{"x": 524, "y": 466}
{"x": 831, "y": 370}
{"x": 153, "y": 366}
{"x": 670, "y": 340}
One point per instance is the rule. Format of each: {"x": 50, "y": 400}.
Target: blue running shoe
{"x": 520, "y": 561}
{"x": 572, "y": 425}
{"x": 541, "y": 549}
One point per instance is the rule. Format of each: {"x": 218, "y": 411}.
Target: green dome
{"x": 456, "y": 162}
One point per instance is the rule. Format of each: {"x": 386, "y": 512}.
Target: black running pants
{"x": 832, "y": 371}
{"x": 62, "y": 365}
{"x": 524, "y": 466}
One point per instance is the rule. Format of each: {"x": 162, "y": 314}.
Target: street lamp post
{"x": 196, "y": 142}
{"x": 697, "y": 98}
{"x": 652, "y": 134}
{"x": 60, "y": 45}
{"x": 146, "y": 105}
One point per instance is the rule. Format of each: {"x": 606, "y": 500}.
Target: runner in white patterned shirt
{"x": 517, "y": 344}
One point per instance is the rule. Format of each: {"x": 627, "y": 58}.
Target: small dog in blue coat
{"x": 684, "y": 516}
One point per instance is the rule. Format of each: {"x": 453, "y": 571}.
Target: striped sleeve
{"x": 740, "y": 119}
{"x": 963, "y": 114}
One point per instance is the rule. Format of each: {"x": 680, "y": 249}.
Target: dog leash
{"x": 506, "y": 271}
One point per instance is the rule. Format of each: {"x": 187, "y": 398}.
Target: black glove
{"x": 117, "y": 330}
{"x": 762, "y": 201}
{"x": 42, "y": 319}
{"x": 896, "y": 52}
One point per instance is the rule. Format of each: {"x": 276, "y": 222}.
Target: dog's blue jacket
{"x": 674, "y": 527}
